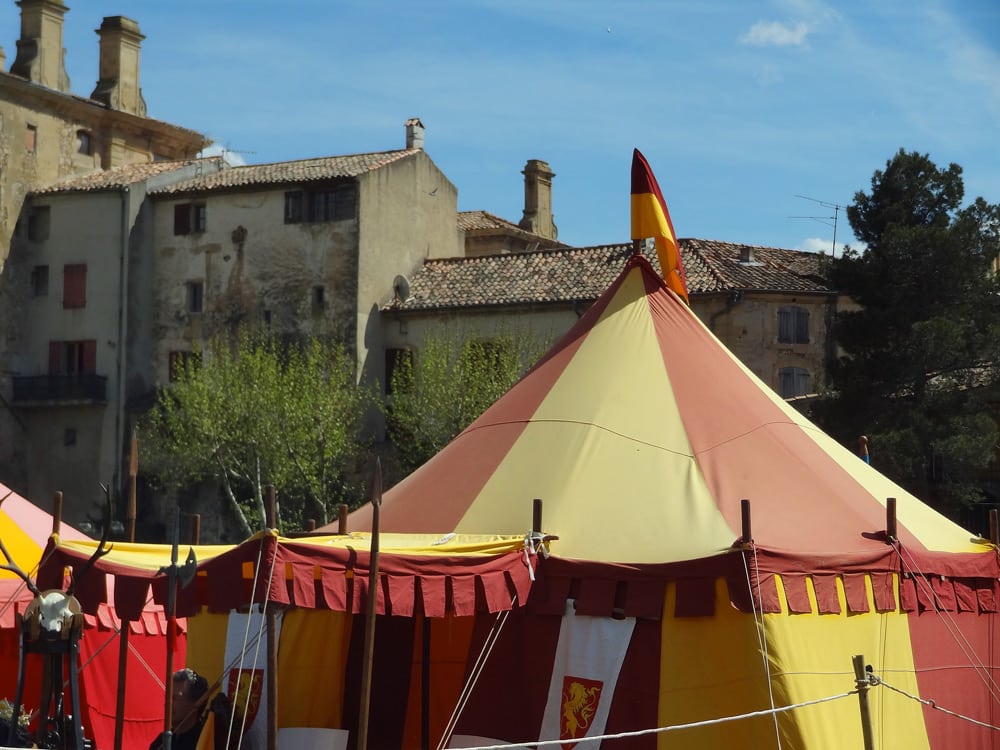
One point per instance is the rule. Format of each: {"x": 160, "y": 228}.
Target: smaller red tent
{"x": 25, "y": 529}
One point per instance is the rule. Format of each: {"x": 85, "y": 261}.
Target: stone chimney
{"x": 40, "y": 54}
{"x": 538, "y": 199}
{"x": 415, "y": 134}
{"x": 118, "y": 82}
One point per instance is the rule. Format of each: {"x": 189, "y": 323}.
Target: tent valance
{"x": 417, "y": 574}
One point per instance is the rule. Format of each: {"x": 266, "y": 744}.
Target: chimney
{"x": 538, "y": 199}
{"x": 415, "y": 134}
{"x": 747, "y": 256}
{"x": 40, "y": 54}
{"x": 118, "y": 82}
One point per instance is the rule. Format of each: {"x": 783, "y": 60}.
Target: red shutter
{"x": 74, "y": 285}
{"x": 89, "y": 356}
{"x": 55, "y": 349}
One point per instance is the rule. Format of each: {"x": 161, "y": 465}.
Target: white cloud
{"x": 776, "y": 34}
{"x": 231, "y": 158}
{"x": 815, "y": 245}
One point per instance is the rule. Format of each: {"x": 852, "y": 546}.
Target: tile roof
{"x": 581, "y": 274}
{"x": 478, "y": 223}
{"x": 283, "y": 172}
{"x": 117, "y": 177}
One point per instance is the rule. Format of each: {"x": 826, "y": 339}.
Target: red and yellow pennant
{"x": 650, "y": 218}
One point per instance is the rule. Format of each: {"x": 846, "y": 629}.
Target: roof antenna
{"x": 830, "y": 221}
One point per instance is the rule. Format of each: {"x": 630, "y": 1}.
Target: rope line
{"x": 673, "y": 728}
{"x": 484, "y": 653}
{"x": 761, "y": 633}
{"x": 933, "y": 704}
{"x": 954, "y": 629}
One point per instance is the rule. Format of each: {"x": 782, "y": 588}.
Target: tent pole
{"x": 861, "y": 680}
{"x": 56, "y": 512}
{"x": 747, "y": 537}
{"x": 271, "y": 620}
{"x": 536, "y": 515}
{"x": 342, "y": 520}
{"x": 373, "y": 586}
{"x": 994, "y": 528}
{"x": 123, "y": 627}
{"x": 890, "y": 519}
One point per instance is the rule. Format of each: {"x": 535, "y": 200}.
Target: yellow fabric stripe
{"x": 633, "y": 424}
{"x": 23, "y": 549}
{"x": 648, "y": 219}
{"x": 810, "y": 658}
{"x": 312, "y": 657}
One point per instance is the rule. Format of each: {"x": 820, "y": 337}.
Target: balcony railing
{"x": 76, "y": 387}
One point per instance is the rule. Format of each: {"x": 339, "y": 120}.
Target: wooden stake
{"x": 57, "y": 502}
{"x": 271, "y": 620}
{"x": 861, "y": 680}
{"x": 368, "y": 653}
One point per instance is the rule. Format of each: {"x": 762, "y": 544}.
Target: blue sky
{"x": 739, "y": 106}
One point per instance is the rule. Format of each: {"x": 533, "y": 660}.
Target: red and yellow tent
{"x": 26, "y": 529}
{"x": 663, "y": 609}
{"x": 643, "y": 434}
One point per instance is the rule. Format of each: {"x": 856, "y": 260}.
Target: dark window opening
{"x": 40, "y": 281}
{"x": 69, "y": 437}
{"x": 394, "y": 359}
{"x": 195, "y": 296}
{"x": 72, "y": 357}
{"x": 190, "y": 218}
{"x": 31, "y": 139}
{"x": 181, "y": 364}
{"x": 38, "y": 224}
{"x": 319, "y": 297}
{"x": 329, "y": 204}
{"x": 267, "y": 317}
{"x": 84, "y": 143}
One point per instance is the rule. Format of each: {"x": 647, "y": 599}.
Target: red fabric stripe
{"x": 695, "y": 598}
{"x": 796, "y": 593}
{"x": 826, "y": 594}
{"x": 856, "y": 593}
{"x": 636, "y": 698}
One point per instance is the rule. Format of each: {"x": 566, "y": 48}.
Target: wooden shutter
{"x": 74, "y": 285}
{"x": 89, "y": 356}
{"x": 55, "y": 350}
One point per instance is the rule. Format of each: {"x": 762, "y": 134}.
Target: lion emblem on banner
{"x": 245, "y": 689}
{"x": 580, "y": 697}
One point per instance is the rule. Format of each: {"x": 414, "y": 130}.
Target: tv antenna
{"x": 830, "y": 221}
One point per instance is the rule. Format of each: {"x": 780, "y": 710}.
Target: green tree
{"x": 258, "y": 412}
{"x": 918, "y": 370}
{"x": 453, "y": 378}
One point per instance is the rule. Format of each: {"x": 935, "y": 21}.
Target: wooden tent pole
{"x": 890, "y": 519}
{"x": 123, "y": 628}
{"x": 536, "y": 515}
{"x": 994, "y": 528}
{"x": 746, "y": 537}
{"x": 271, "y": 620}
{"x": 57, "y": 502}
{"x": 368, "y": 652}
{"x": 861, "y": 680}
{"x": 342, "y": 519}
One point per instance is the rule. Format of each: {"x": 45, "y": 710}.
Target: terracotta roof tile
{"x": 483, "y": 223}
{"x": 117, "y": 177}
{"x": 303, "y": 170}
{"x": 582, "y": 274}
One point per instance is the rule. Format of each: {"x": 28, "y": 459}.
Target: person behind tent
{"x": 190, "y": 692}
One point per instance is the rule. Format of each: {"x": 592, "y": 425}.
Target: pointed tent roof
{"x": 642, "y": 434}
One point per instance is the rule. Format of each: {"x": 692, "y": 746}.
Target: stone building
{"x": 48, "y": 133}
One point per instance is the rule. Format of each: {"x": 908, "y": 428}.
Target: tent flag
{"x": 650, "y": 218}
{"x": 587, "y": 663}
{"x": 246, "y": 679}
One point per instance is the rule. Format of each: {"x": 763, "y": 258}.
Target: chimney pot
{"x": 538, "y": 200}
{"x": 40, "y": 54}
{"x": 118, "y": 81}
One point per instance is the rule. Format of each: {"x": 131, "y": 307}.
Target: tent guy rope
{"x": 761, "y": 631}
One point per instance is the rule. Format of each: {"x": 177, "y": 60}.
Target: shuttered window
{"x": 74, "y": 286}
{"x": 793, "y": 381}
{"x": 793, "y": 325}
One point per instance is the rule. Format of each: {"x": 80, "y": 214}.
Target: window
{"x": 793, "y": 325}
{"x": 195, "y": 296}
{"x": 394, "y": 359}
{"x": 267, "y": 317}
{"x": 793, "y": 381}
{"x": 330, "y": 204}
{"x": 190, "y": 218}
{"x": 31, "y": 139}
{"x": 180, "y": 363}
{"x": 319, "y": 297}
{"x": 74, "y": 286}
{"x": 40, "y": 281}
{"x": 38, "y": 224}
{"x": 84, "y": 143}
{"x": 72, "y": 357}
